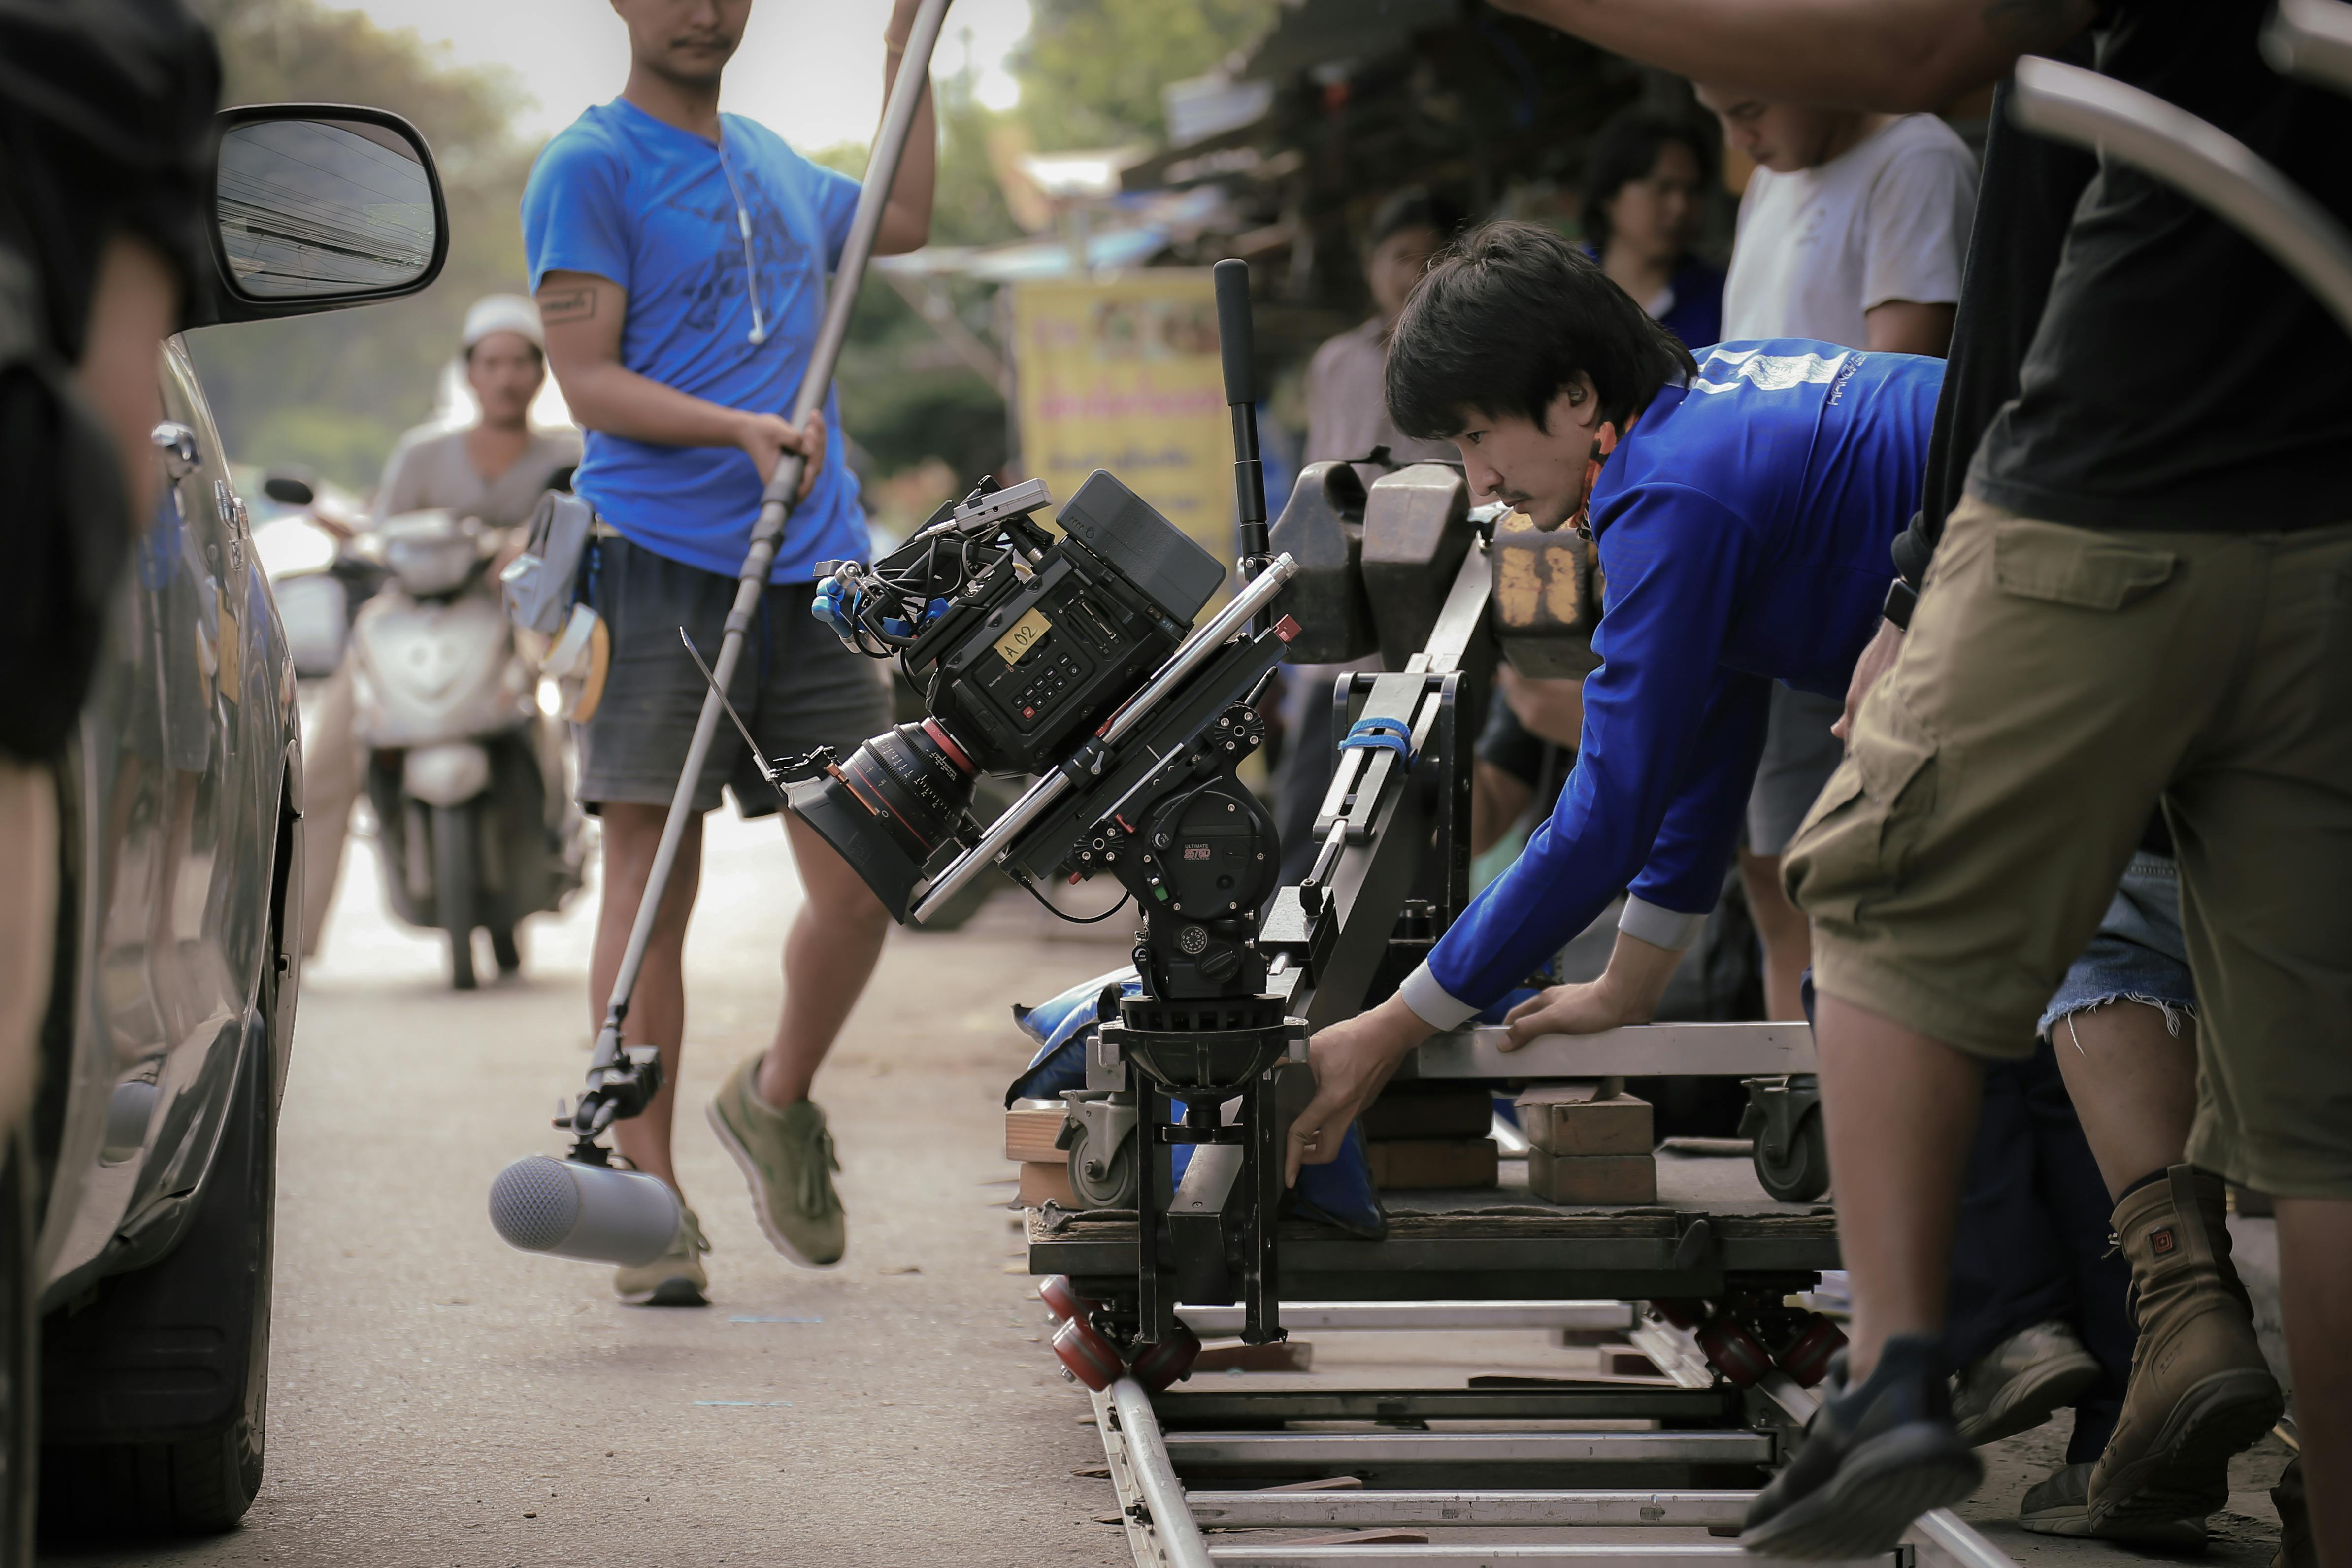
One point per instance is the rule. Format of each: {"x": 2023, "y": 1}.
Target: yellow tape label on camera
{"x": 1024, "y": 634}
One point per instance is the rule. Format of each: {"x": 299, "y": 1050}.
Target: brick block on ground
{"x": 1620, "y": 1124}
{"x": 1421, "y": 1111}
{"x": 1407, "y": 1165}
{"x": 1042, "y": 1179}
{"x": 1029, "y": 1131}
{"x": 1592, "y": 1178}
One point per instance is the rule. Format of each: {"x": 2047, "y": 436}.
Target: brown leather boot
{"x": 2200, "y": 1390}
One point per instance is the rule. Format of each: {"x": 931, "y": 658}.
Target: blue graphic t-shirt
{"x": 622, "y": 195}
{"x": 1742, "y": 529}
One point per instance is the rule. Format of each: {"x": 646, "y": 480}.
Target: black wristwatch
{"x": 1900, "y": 598}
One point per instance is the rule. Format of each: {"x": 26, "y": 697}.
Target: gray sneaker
{"x": 2020, "y": 1382}
{"x": 675, "y": 1278}
{"x": 2060, "y": 1504}
{"x": 787, "y": 1158}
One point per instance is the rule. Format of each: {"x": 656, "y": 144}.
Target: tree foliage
{"x": 1091, "y": 70}
{"x": 335, "y": 391}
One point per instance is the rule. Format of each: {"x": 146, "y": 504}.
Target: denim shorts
{"x": 796, "y": 687}
{"x": 2138, "y": 955}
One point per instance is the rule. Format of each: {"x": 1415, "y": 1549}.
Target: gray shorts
{"x": 795, "y": 685}
{"x": 1800, "y": 755}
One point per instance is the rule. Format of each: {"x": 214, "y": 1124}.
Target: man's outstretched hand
{"x": 1351, "y": 1062}
{"x": 1586, "y": 1009}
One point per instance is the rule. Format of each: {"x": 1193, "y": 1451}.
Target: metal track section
{"x": 1511, "y": 1472}
{"x": 1616, "y": 1317}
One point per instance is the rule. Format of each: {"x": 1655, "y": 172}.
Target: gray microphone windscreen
{"x": 591, "y": 1212}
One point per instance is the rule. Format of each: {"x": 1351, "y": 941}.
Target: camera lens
{"x": 890, "y": 804}
{"x": 916, "y": 781}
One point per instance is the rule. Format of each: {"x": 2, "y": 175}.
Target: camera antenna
{"x": 1236, "y": 338}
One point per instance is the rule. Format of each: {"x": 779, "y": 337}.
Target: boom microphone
{"x": 594, "y": 1213}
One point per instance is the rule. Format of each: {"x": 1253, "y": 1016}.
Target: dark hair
{"x": 1625, "y": 149}
{"x": 1414, "y": 207}
{"x": 1509, "y": 316}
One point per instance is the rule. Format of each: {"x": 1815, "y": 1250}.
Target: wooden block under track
{"x": 1410, "y": 1165}
{"x": 1592, "y": 1178}
{"x": 1418, "y": 1112}
{"x": 1043, "y": 1179}
{"x": 1620, "y": 1124}
{"x": 1029, "y": 1131}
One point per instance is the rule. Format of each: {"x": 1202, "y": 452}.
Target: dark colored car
{"x": 136, "y": 1209}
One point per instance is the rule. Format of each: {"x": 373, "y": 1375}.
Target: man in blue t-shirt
{"x": 679, "y": 257}
{"x": 1741, "y": 505}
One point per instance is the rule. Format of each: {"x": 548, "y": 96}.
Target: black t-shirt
{"x": 105, "y": 128}
{"x": 2181, "y": 378}
{"x": 105, "y": 124}
{"x": 2026, "y": 196}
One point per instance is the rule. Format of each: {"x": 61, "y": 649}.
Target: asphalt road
{"x": 438, "y": 1398}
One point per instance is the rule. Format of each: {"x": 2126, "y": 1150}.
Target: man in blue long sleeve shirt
{"x": 1742, "y": 505}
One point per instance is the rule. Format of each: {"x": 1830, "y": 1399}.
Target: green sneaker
{"x": 787, "y": 1157}
{"x": 675, "y": 1278}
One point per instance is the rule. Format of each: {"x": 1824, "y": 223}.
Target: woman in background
{"x": 1645, "y": 195}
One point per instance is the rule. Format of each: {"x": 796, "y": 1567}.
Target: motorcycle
{"x": 468, "y": 776}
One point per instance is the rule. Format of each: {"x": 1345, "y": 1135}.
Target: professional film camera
{"x": 1075, "y": 658}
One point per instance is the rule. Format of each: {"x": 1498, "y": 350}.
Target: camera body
{"x": 1026, "y": 643}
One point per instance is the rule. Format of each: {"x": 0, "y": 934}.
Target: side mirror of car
{"x": 320, "y": 206}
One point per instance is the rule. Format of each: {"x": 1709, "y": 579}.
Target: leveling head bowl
{"x": 1203, "y": 1049}
{"x": 891, "y": 805}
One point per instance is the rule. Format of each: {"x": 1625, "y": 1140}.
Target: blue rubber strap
{"x": 1383, "y": 734}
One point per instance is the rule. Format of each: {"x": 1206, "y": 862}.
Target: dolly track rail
{"x": 1170, "y": 1527}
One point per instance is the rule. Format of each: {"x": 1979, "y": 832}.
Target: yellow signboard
{"x": 1123, "y": 374}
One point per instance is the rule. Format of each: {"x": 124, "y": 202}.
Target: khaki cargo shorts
{"x": 2055, "y": 683}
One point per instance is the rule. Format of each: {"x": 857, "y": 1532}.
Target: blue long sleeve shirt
{"x": 1742, "y": 527}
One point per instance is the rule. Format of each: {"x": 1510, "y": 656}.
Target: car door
{"x": 177, "y": 777}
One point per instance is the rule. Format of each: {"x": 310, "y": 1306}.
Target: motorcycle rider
{"x": 494, "y": 469}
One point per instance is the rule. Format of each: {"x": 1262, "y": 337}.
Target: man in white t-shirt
{"x": 1852, "y": 230}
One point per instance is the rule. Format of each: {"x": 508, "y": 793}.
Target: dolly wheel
{"x": 1170, "y": 1361}
{"x": 1086, "y": 1356}
{"x": 1062, "y": 1298}
{"x": 1732, "y": 1351}
{"x": 1807, "y": 1357}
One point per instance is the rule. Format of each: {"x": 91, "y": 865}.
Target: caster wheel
{"x": 1802, "y": 1174}
{"x": 1061, "y": 1297}
{"x": 1101, "y": 1179}
{"x": 1086, "y": 1356}
{"x": 1732, "y": 1351}
{"x": 1684, "y": 1314}
{"x": 1157, "y": 1366}
{"x": 1807, "y": 1357}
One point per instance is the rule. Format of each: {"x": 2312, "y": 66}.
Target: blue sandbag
{"x": 1059, "y": 1027}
